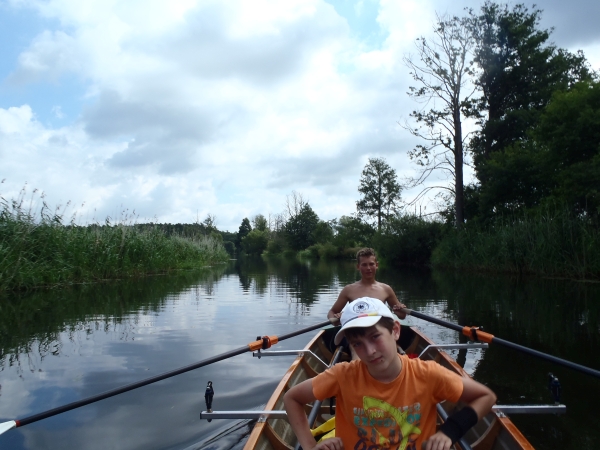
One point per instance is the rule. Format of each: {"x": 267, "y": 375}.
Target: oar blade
{"x": 5, "y": 426}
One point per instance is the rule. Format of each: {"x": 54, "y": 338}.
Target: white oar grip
{"x": 4, "y": 427}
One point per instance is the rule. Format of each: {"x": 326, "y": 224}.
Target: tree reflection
{"x": 32, "y": 325}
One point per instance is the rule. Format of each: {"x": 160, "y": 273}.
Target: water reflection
{"x": 553, "y": 316}
{"x": 61, "y": 346}
{"x": 36, "y": 323}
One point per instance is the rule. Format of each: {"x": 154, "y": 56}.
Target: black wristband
{"x": 459, "y": 423}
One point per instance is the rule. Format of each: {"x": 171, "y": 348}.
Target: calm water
{"x": 58, "y": 347}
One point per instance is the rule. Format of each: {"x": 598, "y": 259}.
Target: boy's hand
{"x": 439, "y": 441}
{"x": 335, "y": 318}
{"x": 334, "y": 443}
{"x": 397, "y": 309}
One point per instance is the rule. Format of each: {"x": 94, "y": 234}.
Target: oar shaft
{"x": 486, "y": 337}
{"x": 154, "y": 379}
{"x": 435, "y": 320}
{"x": 554, "y": 359}
{"x": 304, "y": 330}
{"x": 129, "y": 387}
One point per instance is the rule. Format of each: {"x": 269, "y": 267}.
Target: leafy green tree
{"x": 255, "y": 242}
{"x": 443, "y": 70}
{"x": 229, "y": 247}
{"x": 259, "y": 222}
{"x": 243, "y": 231}
{"x": 517, "y": 73}
{"x": 559, "y": 162}
{"x": 380, "y": 190}
{"x": 210, "y": 222}
{"x": 323, "y": 232}
{"x": 299, "y": 229}
{"x": 568, "y": 136}
{"x": 352, "y": 232}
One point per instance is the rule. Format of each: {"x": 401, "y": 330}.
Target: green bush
{"x": 274, "y": 247}
{"x": 408, "y": 240}
{"x": 255, "y": 242}
{"x": 312, "y": 251}
{"x": 328, "y": 251}
{"x": 305, "y": 254}
{"x": 349, "y": 252}
{"x": 289, "y": 253}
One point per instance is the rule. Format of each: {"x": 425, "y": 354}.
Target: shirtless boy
{"x": 367, "y": 287}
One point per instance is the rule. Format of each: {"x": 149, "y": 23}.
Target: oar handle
{"x": 477, "y": 334}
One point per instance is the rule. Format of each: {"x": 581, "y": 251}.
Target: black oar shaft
{"x": 554, "y": 359}
{"x": 129, "y": 387}
{"x": 304, "y": 330}
{"x": 435, "y": 320}
{"x": 154, "y": 379}
{"x": 493, "y": 339}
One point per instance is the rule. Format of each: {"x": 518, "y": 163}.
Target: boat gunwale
{"x": 279, "y": 391}
{"x": 504, "y": 421}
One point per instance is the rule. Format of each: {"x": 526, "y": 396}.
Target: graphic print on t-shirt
{"x": 381, "y": 425}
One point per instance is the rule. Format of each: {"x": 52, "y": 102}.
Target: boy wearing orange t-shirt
{"x": 385, "y": 399}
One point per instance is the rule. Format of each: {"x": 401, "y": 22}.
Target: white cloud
{"x": 215, "y": 106}
{"x": 50, "y": 55}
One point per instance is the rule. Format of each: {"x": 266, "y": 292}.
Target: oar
{"x": 476, "y": 334}
{"x": 261, "y": 343}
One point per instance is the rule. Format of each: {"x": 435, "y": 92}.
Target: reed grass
{"x": 38, "y": 250}
{"x": 550, "y": 243}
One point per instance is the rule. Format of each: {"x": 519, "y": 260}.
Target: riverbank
{"x": 38, "y": 250}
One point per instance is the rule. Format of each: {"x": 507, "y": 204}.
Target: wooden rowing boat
{"x": 493, "y": 432}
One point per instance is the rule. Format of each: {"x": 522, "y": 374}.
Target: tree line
{"x": 499, "y": 97}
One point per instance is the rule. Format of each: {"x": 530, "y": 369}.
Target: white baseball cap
{"x": 361, "y": 313}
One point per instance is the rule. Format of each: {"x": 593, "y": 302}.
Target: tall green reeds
{"x": 550, "y": 243}
{"x": 37, "y": 249}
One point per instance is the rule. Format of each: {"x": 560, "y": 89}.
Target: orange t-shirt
{"x": 396, "y": 415}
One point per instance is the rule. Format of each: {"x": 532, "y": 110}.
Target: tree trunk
{"x": 458, "y": 171}
{"x": 380, "y": 200}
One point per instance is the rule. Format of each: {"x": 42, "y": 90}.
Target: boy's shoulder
{"x": 345, "y": 369}
{"x": 418, "y": 369}
{"x": 412, "y": 367}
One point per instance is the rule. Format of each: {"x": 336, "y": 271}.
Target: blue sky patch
{"x": 362, "y": 19}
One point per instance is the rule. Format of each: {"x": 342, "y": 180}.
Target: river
{"x": 63, "y": 345}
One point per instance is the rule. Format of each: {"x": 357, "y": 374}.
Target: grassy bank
{"x": 551, "y": 243}
{"x": 38, "y": 250}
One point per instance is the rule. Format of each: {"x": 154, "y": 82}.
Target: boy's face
{"x": 367, "y": 266}
{"x": 377, "y": 348}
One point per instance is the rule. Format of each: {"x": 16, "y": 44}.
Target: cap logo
{"x": 361, "y": 307}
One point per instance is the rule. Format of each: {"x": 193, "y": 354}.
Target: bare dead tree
{"x": 443, "y": 69}
{"x": 294, "y": 202}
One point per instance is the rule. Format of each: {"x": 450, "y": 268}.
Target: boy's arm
{"x": 480, "y": 399}
{"x": 478, "y": 396}
{"x": 335, "y": 312}
{"x": 294, "y": 401}
{"x": 394, "y": 303}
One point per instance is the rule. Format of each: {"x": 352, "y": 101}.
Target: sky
{"x": 167, "y": 111}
